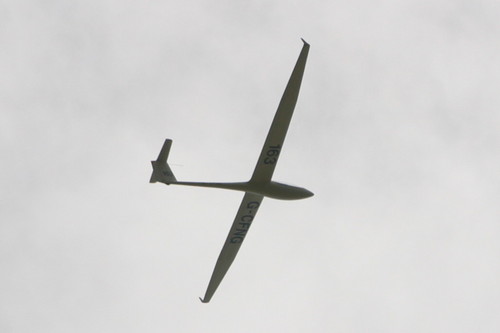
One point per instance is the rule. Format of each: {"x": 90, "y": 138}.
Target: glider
{"x": 260, "y": 184}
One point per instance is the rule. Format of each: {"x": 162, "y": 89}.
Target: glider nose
{"x": 308, "y": 193}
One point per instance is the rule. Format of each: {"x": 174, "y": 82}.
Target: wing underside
{"x": 242, "y": 222}
{"x": 276, "y": 136}
{"x": 262, "y": 174}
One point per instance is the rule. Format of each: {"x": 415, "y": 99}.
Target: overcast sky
{"x": 396, "y": 131}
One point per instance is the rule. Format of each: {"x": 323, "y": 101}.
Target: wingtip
{"x": 304, "y": 41}
{"x": 202, "y": 300}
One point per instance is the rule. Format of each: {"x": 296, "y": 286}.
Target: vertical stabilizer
{"x": 161, "y": 170}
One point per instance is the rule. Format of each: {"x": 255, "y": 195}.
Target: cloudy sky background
{"x": 396, "y": 131}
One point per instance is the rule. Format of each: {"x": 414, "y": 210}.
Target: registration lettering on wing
{"x": 244, "y": 222}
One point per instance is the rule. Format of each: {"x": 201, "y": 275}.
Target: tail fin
{"x": 161, "y": 170}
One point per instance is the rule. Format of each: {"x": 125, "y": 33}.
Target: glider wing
{"x": 246, "y": 213}
{"x": 276, "y": 136}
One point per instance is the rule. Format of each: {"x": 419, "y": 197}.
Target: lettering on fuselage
{"x": 238, "y": 235}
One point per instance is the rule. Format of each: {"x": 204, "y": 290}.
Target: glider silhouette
{"x": 260, "y": 184}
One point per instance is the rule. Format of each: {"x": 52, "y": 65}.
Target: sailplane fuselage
{"x": 270, "y": 189}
